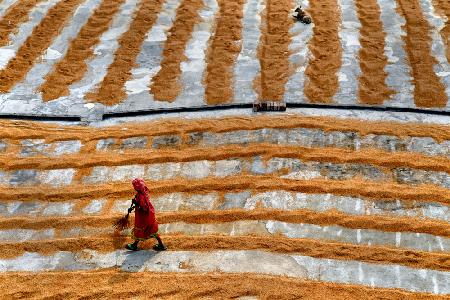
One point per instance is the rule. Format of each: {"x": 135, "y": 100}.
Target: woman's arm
{"x": 141, "y": 204}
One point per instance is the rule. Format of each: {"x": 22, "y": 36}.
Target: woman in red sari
{"x": 145, "y": 225}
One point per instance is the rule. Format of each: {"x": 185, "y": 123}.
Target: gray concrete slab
{"x": 247, "y": 65}
{"x": 260, "y": 262}
{"x": 277, "y": 199}
{"x": 398, "y": 70}
{"x": 350, "y": 70}
{"x": 299, "y": 57}
{"x": 282, "y": 167}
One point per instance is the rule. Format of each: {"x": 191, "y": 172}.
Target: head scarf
{"x": 139, "y": 186}
{"x": 142, "y": 196}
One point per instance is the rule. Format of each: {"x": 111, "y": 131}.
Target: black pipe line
{"x": 148, "y": 112}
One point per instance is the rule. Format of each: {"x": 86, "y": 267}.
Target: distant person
{"x": 145, "y": 225}
{"x": 302, "y": 16}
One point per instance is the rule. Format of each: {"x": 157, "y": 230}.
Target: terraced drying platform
{"x": 90, "y": 57}
{"x": 261, "y": 206}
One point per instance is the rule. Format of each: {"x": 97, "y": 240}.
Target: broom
{"x": 124, "y": 222}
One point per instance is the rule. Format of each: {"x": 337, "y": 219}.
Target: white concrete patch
{"x": 247, "y": 63}
{"x": 32, "y": 147}
{"x": 98, "y": 175}
{"x": 141, "y": 80}
{"x": 94, "y": 207}
{"x": 303, "y": 175}
{"x": 196, "y": 169}
{"x": 239, "y": 228}
{"x": 58, "y": 209}
{"x": 193, "y": 68}
{"x": 24, "y": 30}
{"x": 121, "y": 206}
{"x": 5, "y": 177}
{"x": 127, "y": 172}
{"x": 163, "y": 171}
{"x": 51, "y": 54}
{"x": 19, "y": 208}
{"x": 5, "y": 56}
{"x": 276, "y": 200}
{"x": 66, "y": 147}
{"x": 228, "y": 167}
{"x": 199, "y": 202}
{"x": 398, "y": 70}
{"x": 169, "y": 202}
{"x": 423, "y": 242}
{"x": 299, "y": 57}
{"x": 22, "y": 235}
{"x": 350, "y": 70}
{"x": 297, "y": 266}
{"x": 58, "y": 177}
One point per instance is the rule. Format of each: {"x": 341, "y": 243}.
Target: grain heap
{"x": 318, "y": 198}
{"x": 314, "y": 202}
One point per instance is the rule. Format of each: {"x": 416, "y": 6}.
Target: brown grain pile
{"x": 372, "y": 60}
{"x": 273, "y": 50}
{"x": 321, "y": 82}
{"x": 223, "y": 50}
{"x": 112, "y": 283}
{"x": 428, "y": 89}
{"x": 165, "y": 85}
{"x": 17, "y": 130}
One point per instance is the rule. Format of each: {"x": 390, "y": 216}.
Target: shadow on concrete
{"x": 135, "y": 260}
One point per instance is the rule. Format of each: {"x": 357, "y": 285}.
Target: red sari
{"x": 145, "y": 225}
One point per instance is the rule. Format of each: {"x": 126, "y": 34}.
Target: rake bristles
{"x": 122, "y": 223}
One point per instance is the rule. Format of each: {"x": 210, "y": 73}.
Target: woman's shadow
{"x": 129, "y": 262}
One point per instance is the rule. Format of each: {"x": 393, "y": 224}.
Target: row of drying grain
{"x": 220, "y": 52}
{"x": 219, "y": 213}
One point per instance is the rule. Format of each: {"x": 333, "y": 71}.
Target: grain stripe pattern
{"x": 38, "y": 42}
{"x": 112, "y": 88}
